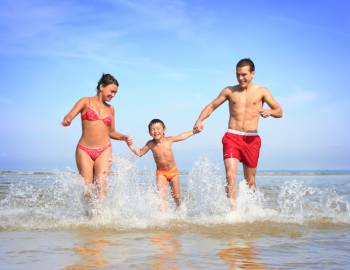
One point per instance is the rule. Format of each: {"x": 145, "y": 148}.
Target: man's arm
{"x": 182, "y": 136}
{"x": 140, "y": 151}
{"x": 206, "y": 112}
{"x": 275, "y": 109}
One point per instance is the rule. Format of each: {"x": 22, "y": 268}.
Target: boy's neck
{"x": 159, "y": 140}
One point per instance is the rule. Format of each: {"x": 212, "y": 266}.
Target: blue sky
{"x": 172, "y": 58}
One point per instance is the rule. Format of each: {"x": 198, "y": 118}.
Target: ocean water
{"x": 295, "y": 220}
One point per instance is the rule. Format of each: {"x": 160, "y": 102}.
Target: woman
{"x": 94, "y": 150}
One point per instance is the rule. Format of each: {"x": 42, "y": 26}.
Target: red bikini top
{"x": 91, "y": 115}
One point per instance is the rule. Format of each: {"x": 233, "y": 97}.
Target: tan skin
{"x": 96, "y": 134}
{"x": 246, "y": 102}
{"x": 161, "y": 148}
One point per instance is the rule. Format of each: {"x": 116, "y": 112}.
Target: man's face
{"x": 244, "y": 76}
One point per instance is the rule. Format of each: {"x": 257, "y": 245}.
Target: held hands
{"x": 265, "y": 113}
{"x": 128, "y": 140}
{"x": 198, "y": 127}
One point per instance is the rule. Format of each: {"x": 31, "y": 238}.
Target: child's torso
{"x": 163, "y": 154}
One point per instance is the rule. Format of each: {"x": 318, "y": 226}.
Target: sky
{"x": 171, "y": 58}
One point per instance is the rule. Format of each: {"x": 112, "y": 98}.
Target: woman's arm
{"x": 77, "y": 108}
{"x": 115, "y": 135}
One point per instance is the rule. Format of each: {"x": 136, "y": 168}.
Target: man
{"x": 241, "y": 142}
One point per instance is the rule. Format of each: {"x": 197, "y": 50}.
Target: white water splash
{"x": 55, "y": 201}
{"x": 300, "y": 203}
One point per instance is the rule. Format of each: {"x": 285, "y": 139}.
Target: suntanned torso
{"x": 244, "y": 107}
{"x": 162, "y": 153}
{"x": 246, "y": 101}
{"x": 96, "y": 133}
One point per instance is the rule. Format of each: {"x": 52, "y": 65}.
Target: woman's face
{"x": 108, "y": 91}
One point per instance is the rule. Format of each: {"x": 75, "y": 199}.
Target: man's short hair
{"x": 246, "y": 62}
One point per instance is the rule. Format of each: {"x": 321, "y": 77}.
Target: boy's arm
{"x": 77, "y": 108}
{"x": 140, "y": 151}
{"x": 182, "y": 136}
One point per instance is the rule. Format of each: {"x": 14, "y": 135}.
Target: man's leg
{"x": 231, "y": 165}
{"x": 249, "y": 175}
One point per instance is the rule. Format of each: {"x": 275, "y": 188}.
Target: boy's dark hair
{"x": 246, "y": 62}
{"x": 106, "y": 79}
{"x": 155, "y": 121}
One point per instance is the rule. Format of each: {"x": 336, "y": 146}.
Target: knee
{"x": 231, "y": 175}
{"x": 106, "y": 173}
{"x": 229, "y": 188}
{"x": 176, "y": 196}
{"x": 106, "y": 170}
{"x": 251, "y": 182}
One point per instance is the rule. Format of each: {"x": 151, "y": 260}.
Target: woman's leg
{"x": 102, "y": 168}
{"x": 85, "y": 167}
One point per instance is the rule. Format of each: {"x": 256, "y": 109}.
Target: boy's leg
{"x": 162, "y": 183}
{"x": 231, "y": 165}
{"x": 175, "y": 189}
{"x": 249, "y": 175}
{"x": 102, "y": 168}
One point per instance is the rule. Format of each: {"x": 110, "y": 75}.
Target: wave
{"x": 54, "y": 201}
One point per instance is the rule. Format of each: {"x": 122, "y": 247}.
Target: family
{"x": 241, "y": 142}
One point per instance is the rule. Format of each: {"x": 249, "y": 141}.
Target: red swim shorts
{"x": 243, "y": 146}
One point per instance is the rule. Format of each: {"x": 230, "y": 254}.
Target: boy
{"x": 161, "y": 148}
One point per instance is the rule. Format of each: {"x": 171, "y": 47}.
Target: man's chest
{"x": 245, "y": 99}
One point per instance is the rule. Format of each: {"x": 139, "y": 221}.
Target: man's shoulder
{"x": 230, "y": 89}
{"x": 260, "y": 89}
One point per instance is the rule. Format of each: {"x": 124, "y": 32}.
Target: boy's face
{"x": 156, "y": 131}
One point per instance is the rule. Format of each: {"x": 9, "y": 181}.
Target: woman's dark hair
{"x": 155, "y": 121}
{"x": 106, "y": 79}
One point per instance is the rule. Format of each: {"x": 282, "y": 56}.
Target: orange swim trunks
{"x": 243, "y": 146}
{"x": 168, "y": 174}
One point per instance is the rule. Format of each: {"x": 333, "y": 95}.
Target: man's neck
{"x": 249, "y": 86}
